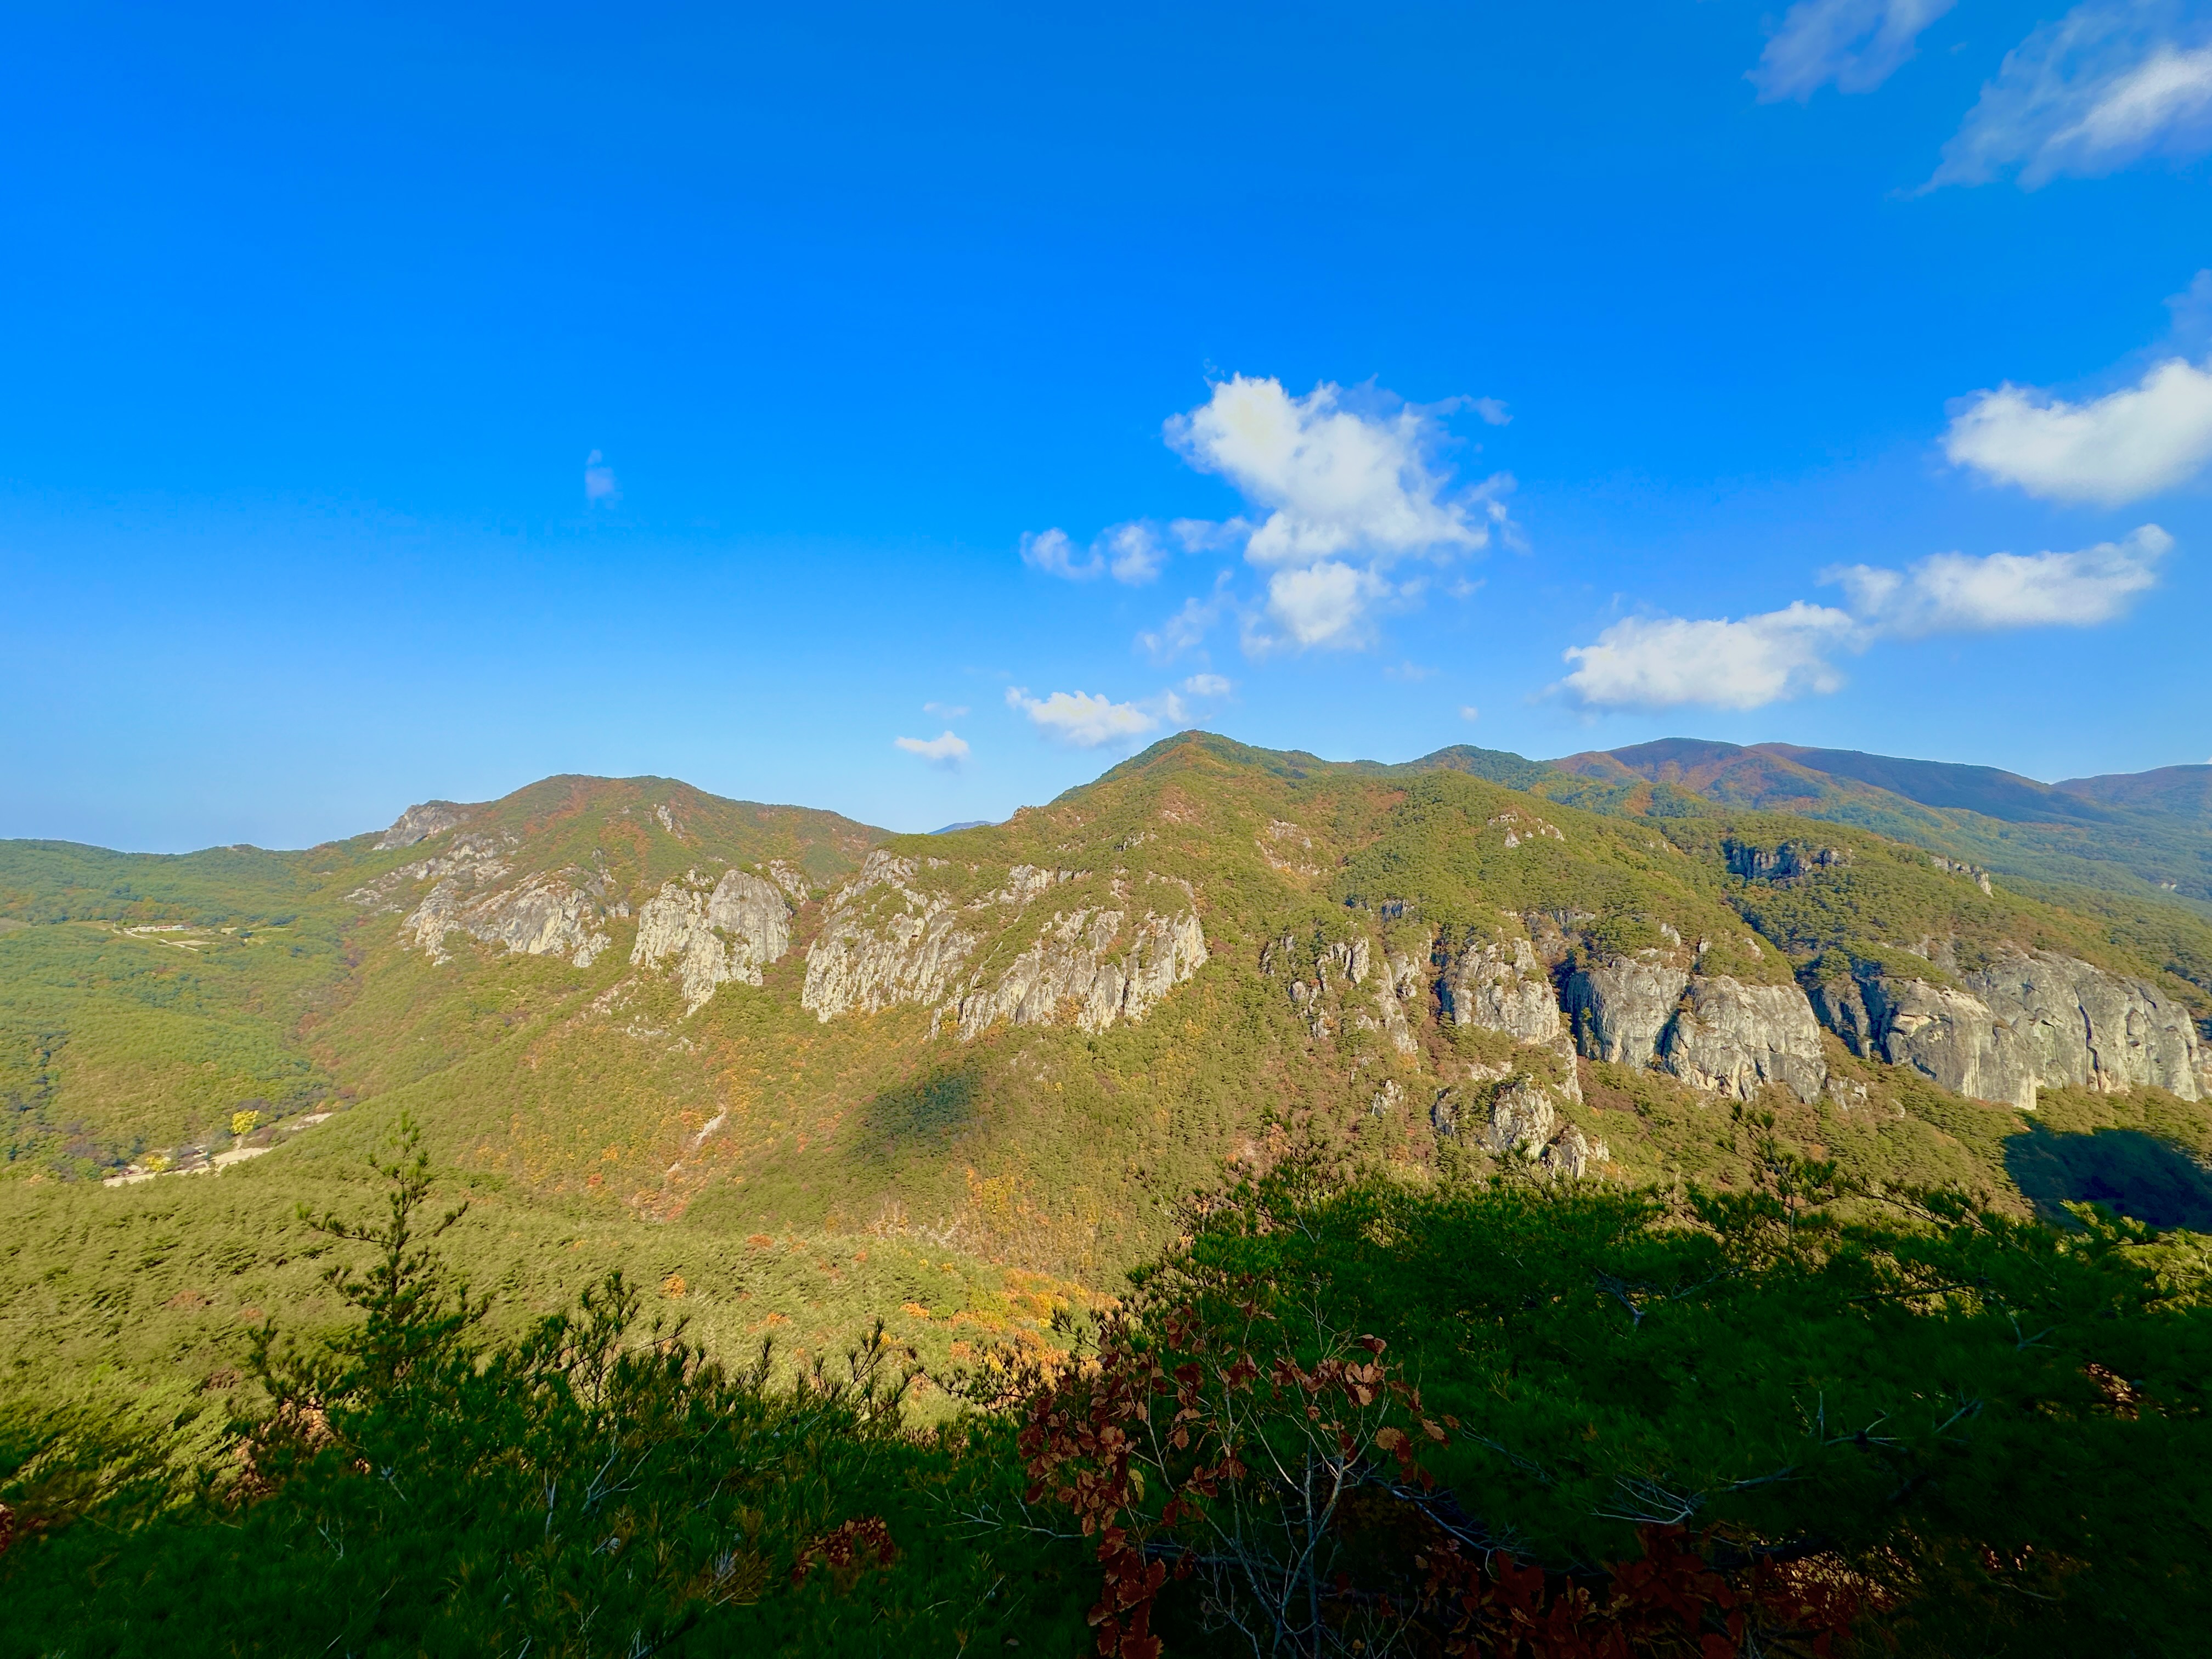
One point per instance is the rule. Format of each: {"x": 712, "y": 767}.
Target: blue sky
{"x": 414, "y": 402}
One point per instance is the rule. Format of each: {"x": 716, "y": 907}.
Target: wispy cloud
{"x": 601, "y": 487}
{"x": 944, "y": 710}
{"x": 1207, "y": 685}
{"x": 947, "y": 750}
{"x": 1950, "y": 592}
{"x": 1081, "y": 720}
{"x": 2107, "y": 85}
{"x": 1665, "y": 662}
{"x": 1469, "y": 712}
{"x": 1855, "y": 44}
{"x": 1131, "y": 553}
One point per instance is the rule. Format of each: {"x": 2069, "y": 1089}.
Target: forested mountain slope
{"x": 797, "y": 1071}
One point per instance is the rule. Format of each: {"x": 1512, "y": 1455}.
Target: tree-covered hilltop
{"x": 1498, "y": 1414}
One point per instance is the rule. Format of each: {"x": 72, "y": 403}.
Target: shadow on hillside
{"x": 2128, "y": 1171}
{"x": 928, "y": 1113}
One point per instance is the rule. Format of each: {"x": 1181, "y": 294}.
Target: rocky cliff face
{"x": 1948, "y": 1035}
{"x": 543, "y": 915}
{"x": 1730, "y": 1038}
{"x": 1072, "y": 976}
{"x": 2031, "y": 1019}
{"x": 886, "y": 940}
{"x": 890, "y": 937}
{"x": 729, "y": 933}
{"x": 1621, "y": 1006}
{"x": 1712, "y": 1031}
{"x": 2083, "y": 1027}
{"x": 1501, "y": 986}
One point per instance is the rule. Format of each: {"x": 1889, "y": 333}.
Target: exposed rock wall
{"x": 1070, "y": 975}
{"x": 2087, "y": 1029}
{"x": 1501, "y": 986}
{"x": 1518, "y": 1118}
{"x": 420, "y": 824}
{"x": 885, "y": 941}
{"x": 728, "y": 934}
{"x": 1948, "y": 1035}
{"x": 1729, "y": 1038}
{"x": 889, "y": 940}
{"x": 1621, "y": 1006}
{"x": 541, "y": 916}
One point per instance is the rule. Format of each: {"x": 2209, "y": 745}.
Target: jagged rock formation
{"x": 1400, "y": 985}
{"x": 887, "y": 940}
{"x": 728, "y": 934}
{"x": 1729, "y": 1038}
{"x": 542, "y": 916}
{"x": 420, "y": 824}
{"x": 1574, "y": 1154}
{"x": 1338, "y": 964}
{"x": 1621, "y": 1005}
{"x": 1500, "y": 987}
{"x": 1069, "y": 976}
{"x": 1947, "y": 1035}
{"x": 1780, "y": 864}
{"x": 1518, "y": 1118}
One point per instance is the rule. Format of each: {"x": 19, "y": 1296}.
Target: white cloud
{"x": 599, "y": 481}
{"x": 1469, "y": 712}
{"x": 1856, "y": 43}
{"x": 2106, "y": 85}
{"x": 1081, "y": 719}
{"x": 2120, "y": 447}
{"x": 947, "y": 750}
{"x": 1492, "y": 412}
{"x": 1950, "y": 592}
{"x": 1326, "y": 605}
{"x": 1207, "y": 685}
{"x": 1346, "y": 494}
{"x": 1131, "y": 553}
{"x": 1661, "y": 662}
{"x": 946, "y": 710}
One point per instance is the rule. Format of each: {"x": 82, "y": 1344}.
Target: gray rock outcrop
{"x": 1501, "y": 986}
{"x": 1621, "y": 1005}
{"x": 1070, "y": 975}
{"x": 419, "y": 824}
{"x": 889, "y": 940}
{"x": 544, "y": 916}
{"x": 1399, "y": 985}
{"x": 2082, "y": 1027}
{"x": 1574, "y": 1154}
{"x": 728, "y": 934}
{"x": 1728, "y": 1037}
{"x": 1518, "y": 1119}
{"x": 885, "y": 941}
{"x": 1948, "y": 1035}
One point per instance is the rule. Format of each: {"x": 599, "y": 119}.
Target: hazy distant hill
{"x": 2184, "y": 792}
{"x": 2125, "y": 834}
